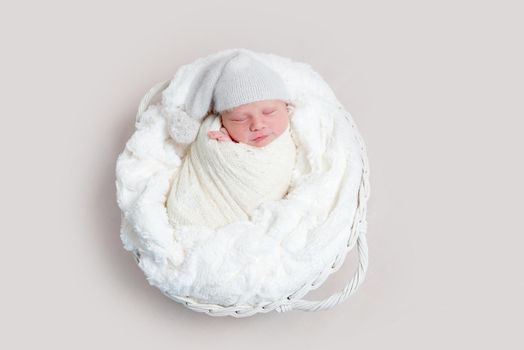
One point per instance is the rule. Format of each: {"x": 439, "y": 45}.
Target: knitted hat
{"x": 244, "y": 79}
{"x": 230, "y": 81}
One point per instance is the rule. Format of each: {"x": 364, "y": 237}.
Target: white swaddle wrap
{"x": 221, "y": 182}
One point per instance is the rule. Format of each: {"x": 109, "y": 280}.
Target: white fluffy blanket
{"x": 285, "y": 243}
{"x": 221, "y": 182}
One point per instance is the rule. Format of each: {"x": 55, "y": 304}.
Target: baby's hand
{"x": 221, "y": 135}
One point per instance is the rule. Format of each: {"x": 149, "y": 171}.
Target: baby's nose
{"x": 257, "y": 124}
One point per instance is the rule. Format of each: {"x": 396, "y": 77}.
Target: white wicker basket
{"x": 294, "y": 301}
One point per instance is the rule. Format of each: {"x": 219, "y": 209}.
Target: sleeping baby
{"x": 243, "y": 154}
{"x": 256, "y": 123}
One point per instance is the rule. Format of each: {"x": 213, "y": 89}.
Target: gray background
{"x": 436, "y": 88}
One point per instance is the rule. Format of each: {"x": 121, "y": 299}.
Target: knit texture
{"x": 244, "y": 79}
{"x": 221, "y": 182}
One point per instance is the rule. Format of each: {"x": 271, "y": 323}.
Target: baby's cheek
{"x": 284, "y": 125}
{"x": 279, "y": 128}
{"x": 237, "y": 134}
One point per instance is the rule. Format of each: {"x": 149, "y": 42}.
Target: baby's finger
{"x": 226, "y": 133}
{"x": 213, "y": 135}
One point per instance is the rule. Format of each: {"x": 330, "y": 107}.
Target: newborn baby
{"x": 244, "y": 153}
{"x": 256, "y": 123}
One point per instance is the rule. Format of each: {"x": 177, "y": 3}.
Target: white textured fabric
{"x": 221, "y": 182}
{"x": 286, "y": 243}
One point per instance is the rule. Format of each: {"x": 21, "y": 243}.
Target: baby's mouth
{"x": 260, "y": 138}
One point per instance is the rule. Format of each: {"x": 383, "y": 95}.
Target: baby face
{"x": 257, "y": 123}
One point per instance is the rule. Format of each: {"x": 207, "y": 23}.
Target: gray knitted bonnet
{"x": 233, "y": 81}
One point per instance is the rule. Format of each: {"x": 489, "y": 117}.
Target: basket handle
{"x": 351, "y": 286}
{"x": 362, "y": 247}
{"x": 144, "y": 103}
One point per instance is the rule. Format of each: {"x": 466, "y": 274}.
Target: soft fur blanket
{"x": 223, "y": 182}
{"x": 285, "y": 243}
